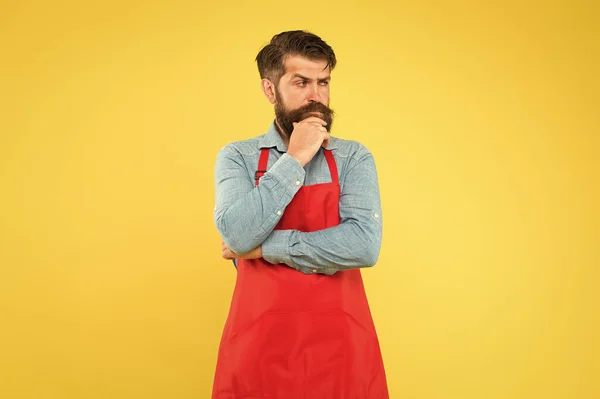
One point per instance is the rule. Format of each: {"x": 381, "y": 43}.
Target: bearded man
{"x": 299, "y": 213}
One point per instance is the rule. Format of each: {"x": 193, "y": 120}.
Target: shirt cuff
{"x": 289, "y": 172}
{"x": 276, "y": 248}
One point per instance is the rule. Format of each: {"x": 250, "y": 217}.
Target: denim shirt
{"x": 246, "y": 214}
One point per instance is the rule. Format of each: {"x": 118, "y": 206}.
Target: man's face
{"x": 303, "y": 91}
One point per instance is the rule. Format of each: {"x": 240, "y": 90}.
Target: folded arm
{"x": 246, "y": 214}
{"x": 354, "y": 243}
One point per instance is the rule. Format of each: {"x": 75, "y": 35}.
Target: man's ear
{"x": 268, "y": 89}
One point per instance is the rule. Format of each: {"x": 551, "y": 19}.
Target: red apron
{"x": 295, "y": 336}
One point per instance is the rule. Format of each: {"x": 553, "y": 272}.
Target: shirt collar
{"x": 273, "y": 139}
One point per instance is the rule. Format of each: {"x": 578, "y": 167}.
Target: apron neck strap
{"x": 332, "y": 166}
{"x": 262, "y": 164}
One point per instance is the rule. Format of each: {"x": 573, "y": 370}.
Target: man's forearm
{"x": 245, "y": 215}
{"x": 346, "y": 246}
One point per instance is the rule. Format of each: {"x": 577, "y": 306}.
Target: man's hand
{"x": 308, "y": 136}
{"x": 228, "y": 254}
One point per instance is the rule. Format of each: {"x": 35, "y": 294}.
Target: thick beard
{"x": 286, "y": 118}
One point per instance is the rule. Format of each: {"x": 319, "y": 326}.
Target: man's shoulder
{"x": 348, "y": 148}
{"x": 246, "y": 147}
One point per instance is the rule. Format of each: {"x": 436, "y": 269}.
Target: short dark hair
{"x": 271, "y": 58}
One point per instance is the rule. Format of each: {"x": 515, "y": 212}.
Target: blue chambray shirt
{"x": 245, "y": 214}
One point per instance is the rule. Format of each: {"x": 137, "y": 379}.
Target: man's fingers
{"x": 317, "y": 125}
{"x": 314, "y": 119}
{"x": 227, "y": 254}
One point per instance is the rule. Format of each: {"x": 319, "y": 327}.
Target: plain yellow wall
{"x": 484, "y": 122}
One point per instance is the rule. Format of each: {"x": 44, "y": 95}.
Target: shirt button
{"x": 297, "y": 182}
{"x": 279, "y": 212}
{"x": 376, "y": 216}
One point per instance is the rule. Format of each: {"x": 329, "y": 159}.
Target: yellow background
{"x": 484, "y": 122}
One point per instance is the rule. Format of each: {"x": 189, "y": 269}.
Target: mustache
{"x": 302, "y": 113}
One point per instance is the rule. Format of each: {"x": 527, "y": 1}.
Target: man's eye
{"x": 324, "y": 82}
{"x": 302, "y": 83}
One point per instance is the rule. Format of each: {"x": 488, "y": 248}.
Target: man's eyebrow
{"x": 297, "y": 75}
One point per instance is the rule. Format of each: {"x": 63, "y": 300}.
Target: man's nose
{"x": 314, "y": 95}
